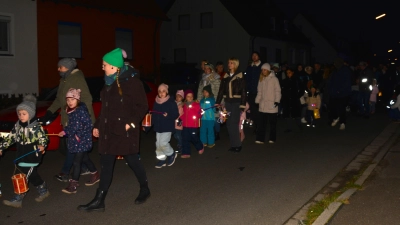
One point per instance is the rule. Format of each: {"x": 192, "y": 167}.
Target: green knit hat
{"x": 208, "y": 89}
{"x": 114, "y": 58}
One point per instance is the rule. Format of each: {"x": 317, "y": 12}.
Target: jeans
{"x": 337, "y": 109}
{"x": 178, "y": 137}
{"x": 310, "y": 117}
{"x": 107, "y": 169}
{"x": 217, "y": 126}
{"x": 190, "y": 135}
{"x": 232, "y": 123}
{"x": 69, "y": 160}
{"x": 79, "y": 159}
{"x": 363, "y": 102}
{"x": 163, "y": 148}
{"x": 207, "y": 132}
{"x": 33, "y": 178}
{"x": 262, "y": 126}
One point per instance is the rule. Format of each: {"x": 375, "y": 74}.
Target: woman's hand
{"x": 165, "y": 114}
{"x": 96, "y": 132}
{"x": 61, "y": 134}
{"x": 127, "y": 127}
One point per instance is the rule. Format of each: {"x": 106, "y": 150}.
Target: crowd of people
{"x": 256, "y": 97}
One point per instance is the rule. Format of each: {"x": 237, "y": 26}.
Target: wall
{"x": 98, "y": 38}
{"x": 19, "y": 72}
{"x": 271, "y": 46}
{"x": 226, "y": 39}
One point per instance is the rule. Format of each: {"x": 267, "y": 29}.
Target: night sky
{"x": 354, "y": 20}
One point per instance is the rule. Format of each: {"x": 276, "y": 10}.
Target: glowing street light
{"x": 390, "y": 50}
{"x": 380, "y": 16}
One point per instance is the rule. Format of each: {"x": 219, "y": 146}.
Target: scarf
{"x": 205, "y": 78}
{"x": 65, "y": 74}
{"x": 188, "y": 103}
{"x": 110, "y": 79}
{"x": 161, "y": 100}
{"x": 70, "y": 110}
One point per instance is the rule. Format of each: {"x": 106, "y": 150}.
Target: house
{"x": 49, "y": 30}
{"x": 18, "y": 47}
{"x": 219, "y": 29}
{"x": 326, "y": 46}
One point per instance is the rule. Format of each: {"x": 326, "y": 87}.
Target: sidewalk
{"x": 379, "y": 200}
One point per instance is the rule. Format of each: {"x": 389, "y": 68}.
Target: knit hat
{"x": 163, "y": 87}
{"x": 266, "y": 66}
{"x": 124, "y": 55}
{"x": 69, "y": 63}
{"x": 275, "y": 65}
{"x": 181, "y": 93}
{"x": 209, "y": 65}
{"x": 208, "y": 89}
{"x": 28, "y": 104}
{"x": 74, "y": 93}
{"x": 114, "y": 58}
{"x": 188, "y": 91}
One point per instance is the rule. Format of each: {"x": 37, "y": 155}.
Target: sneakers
{"x": 334, "y": 122}
{"x": 205, "y": 145}
{"x": 71, "y": 188}
{"x": 259, "y": 142}
{"x": 342, "y": 126}
{"x": 185, "y": 156}
{"x": 303, "y": 120}
{"x": 85, "y": 172}
{"x": 43, "y": 192}
{"x": 201, "y": 151}
{"x": 15, "y": 201}
{"x": 94, "y": 178}
{"x": 210, "y": 146}
{"x": 171, "y": 159}
{"x": 62, "y": 177}
{"x": 271, "y": 142}
{"x": 160, "y": 164}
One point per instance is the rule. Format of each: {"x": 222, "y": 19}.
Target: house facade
{"x": 219, "y": 29}
{"x": 18, "y": 47}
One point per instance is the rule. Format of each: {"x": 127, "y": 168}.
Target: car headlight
{"x": 364, "y": 80}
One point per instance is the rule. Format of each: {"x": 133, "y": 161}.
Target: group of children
{"x": 31, "y": 141}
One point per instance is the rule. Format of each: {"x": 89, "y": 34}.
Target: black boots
{"x": 144, "y": 194}
{"x": 217, "y": 136}
{"x": 97, "y": 204}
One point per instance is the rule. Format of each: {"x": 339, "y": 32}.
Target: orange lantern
{"x": 147, "y": 120}
{"x": 20, "y": 183}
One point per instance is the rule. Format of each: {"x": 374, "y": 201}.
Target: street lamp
{"x": 380, "y": 16}
{"x": 390, "y": 50}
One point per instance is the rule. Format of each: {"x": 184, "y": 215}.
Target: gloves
{"x": 46, "y": 117}
{"x": 276, "y": 104}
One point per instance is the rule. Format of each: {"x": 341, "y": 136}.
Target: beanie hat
{"x": 163, "y": 87}
{"x": 74, "y": 93}
{"x": 69, "y": 63}
{"x": 275, "y": 65}
{"x": 181, "y": 93}
{"x": 124, "y": 53}
{"x": 28, "y": 104}
{"x": 209, "y": 65}
{"x": 208, "y": 89}
{"x": 188, "y": 91}
{"x": 266, "y": 66}
{"x": 114, "y": 58}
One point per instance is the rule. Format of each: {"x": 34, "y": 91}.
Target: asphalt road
{"x": 264, "y": 184}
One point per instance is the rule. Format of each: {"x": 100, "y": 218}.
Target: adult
{"x": 317, "y": 75}
{"x": 268, "y": 98}
{"x": 71, "y": 77}
{"x": 124, "y": 104}
{"x": 364, "y": 89}
{"x": 339, "y": 87}
{"x": 233, "y": 91}
{"x": 291, "y": 99}
{"x": 252, "y": 75}
{"x": 308, "y": 82}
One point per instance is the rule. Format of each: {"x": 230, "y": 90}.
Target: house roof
{"x": 255, "y": 15}
{"x": 143, "y": 8}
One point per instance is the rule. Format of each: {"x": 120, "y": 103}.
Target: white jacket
{"x": 268, "y": 92}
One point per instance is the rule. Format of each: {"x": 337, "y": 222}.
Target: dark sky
{"x": 352, "y": 19}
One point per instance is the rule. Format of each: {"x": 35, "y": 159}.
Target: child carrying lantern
{"x": 207, "y": 120}
{"x": 29, "y": 137}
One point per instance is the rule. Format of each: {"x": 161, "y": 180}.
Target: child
{"x": 313, "y": 102}
{"x": 28, "y": 135}
{"x": 178, "y": 122}
{"x": 163, "y": 121}
{"x": 241, "y": 123}
{"x": 190, "y": 122}
{"x": 372, "y": 98}
{"x": 79, "y": 132}
{"x": 208, "y": 117}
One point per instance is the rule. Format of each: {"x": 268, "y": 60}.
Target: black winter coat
{"x": 163, "y": 123}
{"x": 291, "y": 97}
{"x": 233, "y": 89}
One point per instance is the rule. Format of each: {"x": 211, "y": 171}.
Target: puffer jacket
{"x": 207, "y": 103}
{"x": 233, "y": 89}
{"x": 313, "y": 102}
{"x": 268, "y": 92}
{"x": 191, "y": 115}
{"x": 213, "y": 79}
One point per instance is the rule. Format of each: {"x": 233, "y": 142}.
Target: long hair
{"x": 262, "y": 77}
{"x": 119, "y": 86}
{"x": 235, "y": 62}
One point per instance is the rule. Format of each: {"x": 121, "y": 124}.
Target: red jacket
{"x": 191, "y": 115}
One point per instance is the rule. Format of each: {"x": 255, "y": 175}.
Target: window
{"x": 124, "y": 40}
{"x": 5, "y": 35}
{"x": 263, "y": 54}
{"x": 286, "y": 26}
{"x": 278, "y": 55}
{"x": 184, "y": 22}
{"x": 206, "y": 20}
{"x": 272, "y": 21}
{"x": 69, "y": 40}
{"x": 180, "y": 55}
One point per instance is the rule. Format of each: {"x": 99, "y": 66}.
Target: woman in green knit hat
{"x": 124, "y": 105}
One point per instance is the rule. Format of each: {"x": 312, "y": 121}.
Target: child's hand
{"x": 41, "y": 149}
{"x": 165, "y": 114}
{"x": 61, "y": 134}
{"x": 79, "y": 140}
{"x": 127, "y": 127}
{"x": 96, "y": 132}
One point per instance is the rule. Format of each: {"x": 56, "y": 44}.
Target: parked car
{"x": 8, "y": 117}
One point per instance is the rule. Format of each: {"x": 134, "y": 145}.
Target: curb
{"x": 378, "y": 147}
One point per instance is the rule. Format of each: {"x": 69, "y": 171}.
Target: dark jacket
{"x": 117, "y": 111}
{"x": 252, "y": 77}
{"x": 317, "y": 77}
{"x": 365, "y": 79}
{"x": 339, "y": 83}
{"x": 233, "y": 89}
{"x": 163, "y": 123}
{"x": 291, "y": 97}
{"x": 79, "y": 125}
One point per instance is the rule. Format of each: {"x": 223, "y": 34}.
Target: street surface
{"x": 264, "y": 184}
